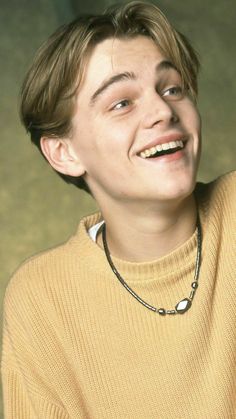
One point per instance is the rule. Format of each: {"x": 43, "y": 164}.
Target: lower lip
{"x": 167, "y": 157}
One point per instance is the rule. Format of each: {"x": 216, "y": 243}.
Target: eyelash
{"x": 178, "y": 94}
{"x": 117, "y": 107}
{"x": 179, "y": 91}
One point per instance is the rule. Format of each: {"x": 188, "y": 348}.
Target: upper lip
{"x": 177, "y": 136}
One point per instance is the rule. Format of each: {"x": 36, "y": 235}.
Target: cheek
{"x": 195, "y": 127}
{"x": 100, "y": 140}
{"x": 190, "y": 119}
{"x": 83, "y": 140}
{"x": 197, "y": 120}
{"x": 194, "y": 117}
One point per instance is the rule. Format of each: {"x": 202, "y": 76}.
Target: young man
{"x": 134, "y": 317}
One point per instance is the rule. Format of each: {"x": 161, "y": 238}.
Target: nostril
{"x": 174, "y": 118}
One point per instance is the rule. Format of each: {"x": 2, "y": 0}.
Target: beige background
{"x": 37, "y": 209}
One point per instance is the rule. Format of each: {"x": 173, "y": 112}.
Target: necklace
{"x": 184, "y": 304}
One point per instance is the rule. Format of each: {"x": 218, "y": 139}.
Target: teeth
{"x": 165, "y": 146}
{"x": 160, "y": 147}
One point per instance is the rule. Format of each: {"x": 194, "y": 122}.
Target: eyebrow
{"x": 107, "y": 83}
{"x": 163, "y": 65}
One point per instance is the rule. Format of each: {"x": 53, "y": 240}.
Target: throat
{"x": 148, "y": 244}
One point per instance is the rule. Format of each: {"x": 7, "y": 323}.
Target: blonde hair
{"x": 49, "y": 89}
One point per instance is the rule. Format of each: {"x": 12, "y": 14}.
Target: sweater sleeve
{"x": 27, "y": 391}
{"x": 19, "y": 399}
{"x": 18, "y": 404}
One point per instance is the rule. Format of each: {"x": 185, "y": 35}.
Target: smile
{"x": 161, "y": 149}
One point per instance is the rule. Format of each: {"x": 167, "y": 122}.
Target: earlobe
{"x": 61, "y": 156}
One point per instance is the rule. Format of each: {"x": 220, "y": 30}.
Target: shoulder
{"x": 35, "y": 267}
{"x": 29, "y": 287}
{"x": 220, "y": 194}
{"x": 43, "y": 276}
{"x": 217, "y": 203}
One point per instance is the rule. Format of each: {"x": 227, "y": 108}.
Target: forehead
{"x": 116, "y": 55}
{"x": 116, "y": 50}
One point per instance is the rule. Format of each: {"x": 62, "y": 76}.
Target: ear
{"x": 61, "y": 156}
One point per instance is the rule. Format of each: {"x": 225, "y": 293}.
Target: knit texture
{"x": 77, "y": 345}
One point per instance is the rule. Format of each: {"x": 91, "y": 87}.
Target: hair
{"x": 51, "y": 84}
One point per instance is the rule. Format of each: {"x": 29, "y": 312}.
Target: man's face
{"x": 129, "y": 110}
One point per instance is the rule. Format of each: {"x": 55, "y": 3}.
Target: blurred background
{"x": 37, "y": 209}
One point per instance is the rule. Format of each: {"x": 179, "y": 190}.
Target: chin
{"x": 179, "y": 188}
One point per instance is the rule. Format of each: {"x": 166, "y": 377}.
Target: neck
{"x": 139, "y": 235}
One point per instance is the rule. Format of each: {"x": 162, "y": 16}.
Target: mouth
{"x": 162, "y": 149}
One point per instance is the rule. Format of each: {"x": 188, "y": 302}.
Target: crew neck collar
{"x": 174, "y": 265}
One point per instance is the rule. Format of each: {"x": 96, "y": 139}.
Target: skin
{"x": 148, "y": 204}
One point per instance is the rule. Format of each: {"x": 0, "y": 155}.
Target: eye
{"x": 121, "y": 104}
{"x": 175, "y": 92}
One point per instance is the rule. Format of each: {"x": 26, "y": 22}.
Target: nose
{"x": 158, "y": 111}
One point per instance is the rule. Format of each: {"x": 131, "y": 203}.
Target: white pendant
{"x": 183, "y": 306}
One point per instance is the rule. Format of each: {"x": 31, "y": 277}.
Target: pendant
{"x": 183, "y": 306}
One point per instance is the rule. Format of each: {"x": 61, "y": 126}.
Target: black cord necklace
{"x": 184, "y": 304}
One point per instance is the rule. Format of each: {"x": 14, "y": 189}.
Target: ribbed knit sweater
{"x": 78, "y": 345}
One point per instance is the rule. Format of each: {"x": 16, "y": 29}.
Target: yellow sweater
{"x": 78, "y": 345}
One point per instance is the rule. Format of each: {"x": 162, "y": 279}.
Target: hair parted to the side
{"x": 49, "y": 90}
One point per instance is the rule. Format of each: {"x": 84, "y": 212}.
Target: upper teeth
{"x": 166, "y": 146}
